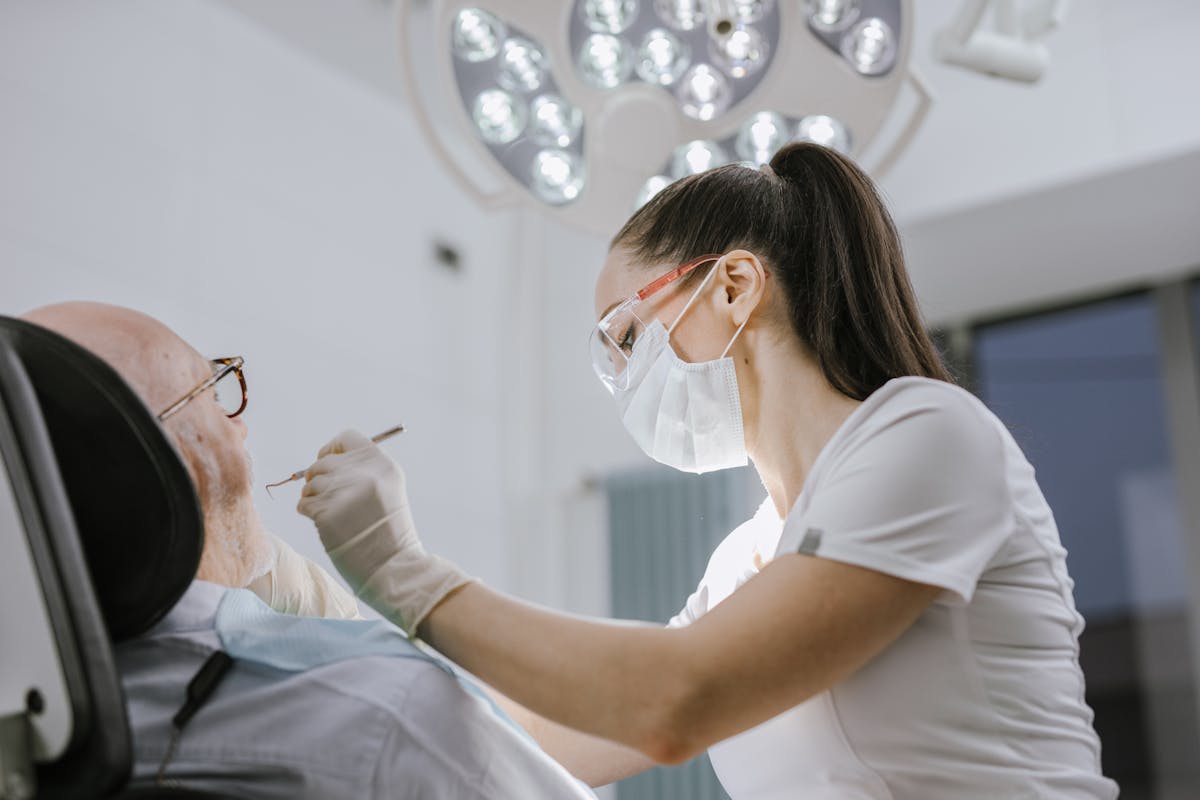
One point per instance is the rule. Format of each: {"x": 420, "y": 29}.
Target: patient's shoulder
{"x": 317, "y": 731}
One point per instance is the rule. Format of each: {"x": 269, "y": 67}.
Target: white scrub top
{"x": 983, "y": 696}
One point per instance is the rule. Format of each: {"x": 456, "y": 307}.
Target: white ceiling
{"x": 1012, "y": 195}
{"x": 1120, "y": 90}
{"x": 356, "y": 37}
{"x": 1074, "y": 240}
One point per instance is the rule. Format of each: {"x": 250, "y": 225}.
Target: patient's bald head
{"x": 152, "y": 358}
{"x": 161, "y": 367}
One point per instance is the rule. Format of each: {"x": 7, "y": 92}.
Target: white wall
{"x": 174, "y": 158}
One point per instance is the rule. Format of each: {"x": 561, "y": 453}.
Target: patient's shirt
{"x": 389, "y": 725}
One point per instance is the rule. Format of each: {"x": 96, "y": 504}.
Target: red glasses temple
{"x": 678, "y": 272}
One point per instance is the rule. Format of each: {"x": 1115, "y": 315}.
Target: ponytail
{"x": 817, "y": 221}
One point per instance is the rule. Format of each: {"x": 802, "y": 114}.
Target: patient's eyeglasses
{"x": 227, "y": 380}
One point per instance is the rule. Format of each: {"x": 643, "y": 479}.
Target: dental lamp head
{"x": 585, "y": 109}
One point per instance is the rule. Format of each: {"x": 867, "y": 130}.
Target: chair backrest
{"x": 100, "y": 534}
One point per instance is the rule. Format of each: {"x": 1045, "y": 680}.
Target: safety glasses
{"x": 612, "y": 340}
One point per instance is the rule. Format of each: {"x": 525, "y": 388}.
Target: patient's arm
{"x": 593, "y": 760}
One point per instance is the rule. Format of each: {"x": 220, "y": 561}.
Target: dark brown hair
{"x": 817, "y": 222}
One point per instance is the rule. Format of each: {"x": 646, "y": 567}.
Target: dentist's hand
{"x": 355, "y": 494}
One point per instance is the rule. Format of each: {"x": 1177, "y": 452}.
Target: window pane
{"x": 1082, "y": 391}
{"x": 663, "y": 526}
{"x": 1196, "y": 309}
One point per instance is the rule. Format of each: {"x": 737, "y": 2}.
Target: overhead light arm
{"x": 1013, "y": 48}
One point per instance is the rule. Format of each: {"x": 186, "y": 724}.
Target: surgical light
{"x": 870, "y": 46}
{"x": 704, "y": 93}
{"x": 753, "y": 145}
{"x": 605, "y": 61}
{"x": 522, "y": 65}
{"x": 499, "y": 115}
{"x": 668, "y": 38}
{"x": 477, "y": 35}
{"x": 760, "y": 137}
{"x": 587, "y": 109}
{"x": 554, "y": 122}
{"x": 824, "y": 130}
{"x": 747, "y": 11}
{"x": 697, "y": 156}
{"x": 832, "y": 15}
{"x": 741, "y": 52}
{"x": 557, "y": 176}
{"x": 506, "y": 86}
{"x": 662, "y": 58}
{"x": 609, "y": 16}
{"x": 654, "y": 185}
{"x": 683, "y": 15}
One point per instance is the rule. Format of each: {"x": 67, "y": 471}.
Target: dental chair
{"x": 100, "y": 535}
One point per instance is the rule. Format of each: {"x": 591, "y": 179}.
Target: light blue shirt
{"x": 391, "y": 724}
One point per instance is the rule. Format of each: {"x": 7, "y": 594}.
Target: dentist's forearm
{"x": 800, "y": 626}
{"x": 622, "y": 682}
{"x": 595, "y": 761}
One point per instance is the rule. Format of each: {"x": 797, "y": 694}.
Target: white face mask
{"x": 687, "y": 416}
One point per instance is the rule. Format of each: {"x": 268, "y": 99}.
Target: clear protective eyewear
{"x": 612, "y": 339}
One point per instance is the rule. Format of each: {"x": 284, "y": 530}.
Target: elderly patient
{"x": 320, "y": 708}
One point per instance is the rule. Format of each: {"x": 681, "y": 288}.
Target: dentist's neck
{"x": 790, "y": 413}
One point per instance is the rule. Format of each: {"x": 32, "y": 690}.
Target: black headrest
{"x": 134, "y": 505}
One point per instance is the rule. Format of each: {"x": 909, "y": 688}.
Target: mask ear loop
{"x": 736, "y": 334}
{"x": 695, "y": 294}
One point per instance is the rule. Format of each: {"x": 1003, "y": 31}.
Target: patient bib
{"x": 250, "y": 630}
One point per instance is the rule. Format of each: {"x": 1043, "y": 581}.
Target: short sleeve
{"x": 919, "y": 492}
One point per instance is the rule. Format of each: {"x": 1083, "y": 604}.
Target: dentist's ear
{"x": 742, "y": 279}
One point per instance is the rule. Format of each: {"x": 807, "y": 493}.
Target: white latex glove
{"x": 355, "y": 494}
{"x": 295, "y": 585}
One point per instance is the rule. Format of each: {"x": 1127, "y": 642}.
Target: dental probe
{"x": 298, "y": 474}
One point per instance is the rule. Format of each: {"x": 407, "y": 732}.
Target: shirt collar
{"x": 196, "y": 610}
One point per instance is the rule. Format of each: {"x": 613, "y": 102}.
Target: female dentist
{"x": 895, "y": 622}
